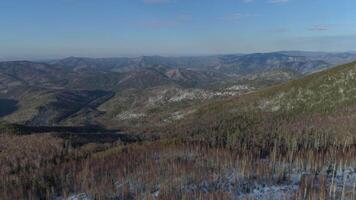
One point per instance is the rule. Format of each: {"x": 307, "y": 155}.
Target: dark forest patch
{"x": 7, "y": 106}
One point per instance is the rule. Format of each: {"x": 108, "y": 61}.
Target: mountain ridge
{"x": 231, "y": 62}
{"x": 194, "y": 84}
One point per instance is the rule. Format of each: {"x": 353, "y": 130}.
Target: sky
{"x": 44, "y": 29}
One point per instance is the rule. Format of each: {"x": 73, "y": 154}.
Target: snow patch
{"x": 129, "y": 115}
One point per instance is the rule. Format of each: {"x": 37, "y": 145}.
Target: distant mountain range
{"x": 303, "y": 62}
{"x": 95, "y": 91}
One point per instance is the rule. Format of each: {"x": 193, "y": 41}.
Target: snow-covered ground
{"x": 242, "y": 188}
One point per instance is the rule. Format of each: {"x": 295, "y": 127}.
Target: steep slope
{"x": 321, "y": 92}
{"x": 316, "y": 110}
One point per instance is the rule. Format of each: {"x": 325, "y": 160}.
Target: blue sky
{"x": 104, "y": 28}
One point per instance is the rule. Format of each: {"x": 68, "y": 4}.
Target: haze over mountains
{"x": 85, "y": 91}
{"x": 304, "y": 62}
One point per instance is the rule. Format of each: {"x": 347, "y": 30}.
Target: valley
{"x": 260, "y": 126}
{"x": 149, "y": 89}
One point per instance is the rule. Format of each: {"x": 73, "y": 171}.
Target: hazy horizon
{"x": 35, "y": 30}
{"x": 47, "y": 58}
